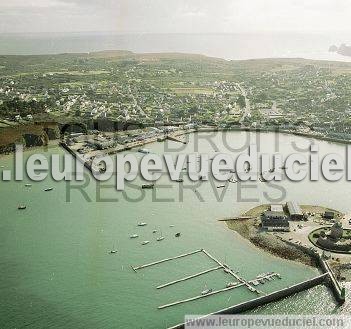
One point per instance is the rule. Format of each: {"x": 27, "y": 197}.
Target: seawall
{"x": 272, "y": 297}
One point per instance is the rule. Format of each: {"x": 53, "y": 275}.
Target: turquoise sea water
{"x": 56, "y": 272}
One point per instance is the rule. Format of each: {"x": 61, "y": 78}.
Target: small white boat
{"x": 180, "y": 180}
{"x": 142, "y": 224}
{"x": 171, "y": 225}
{"x": 48, "y": 189}
{"x": 161, "y": 237}
{"x": 255, "y": 282}
{"x": 113, "y": 251}
{"x": 154, "y": 231}
{"x": 22, "y": 207}
{"x": 232, "y": 284}
{"x": 28, "y": 185}
{"x": 145, "y": 242}
{"x": 220, "y": 186}
{"x": 134, "y": 236}
{"x": 206, "y": 291}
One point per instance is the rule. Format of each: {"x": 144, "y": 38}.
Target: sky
{"x": 175, "y": 16}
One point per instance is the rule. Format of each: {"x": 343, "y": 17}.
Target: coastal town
{"x": 175, "y": 164}
{"x": 105, "y": 103}
{"x": 156, "y": 90}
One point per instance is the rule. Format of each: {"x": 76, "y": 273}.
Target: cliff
{"x": 29, "y": 135}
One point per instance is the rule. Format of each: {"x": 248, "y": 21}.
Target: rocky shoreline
{"x": 248, "y": 229}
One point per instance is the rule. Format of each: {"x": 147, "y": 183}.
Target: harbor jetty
{"x": 327, "y": 278}
{"x": 239, "y": 281}
{"x": 263, "y": 300}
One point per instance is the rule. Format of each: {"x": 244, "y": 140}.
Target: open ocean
{"x": 228, "y": 46}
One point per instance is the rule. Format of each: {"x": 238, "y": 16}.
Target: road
{"x": 247, "y": 110}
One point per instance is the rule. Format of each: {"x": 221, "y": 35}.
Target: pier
{"x": 188, "y": 277}
{"x": 236, "y": 218}
{"x": 235, "y": 275}
{"x": 198, "y": 297}
{"x": 327, "y": 277}
{"x": 263, "y": 300}
{"x": 240, "y": 282}
{"x": 166, "y": 260}
{"x": 175, "y": 139}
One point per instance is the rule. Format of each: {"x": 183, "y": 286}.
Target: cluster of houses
{"x": 278, "y": 216}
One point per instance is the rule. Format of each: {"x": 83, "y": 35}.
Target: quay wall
{"x": 70, "y": 151}
{"x": 278, "y": 130}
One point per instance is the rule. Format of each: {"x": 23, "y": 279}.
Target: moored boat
{"x": 206, "y": 291}
{"x": 251, "y": 289}
{"x": 147, "y": 186}
{"x": 145, "y": 242}
{"x": 113, "y": 251}
{"x": 145, "y": 151}
{"x": 232, "y": 284}
{"x": 161, "y": 237}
